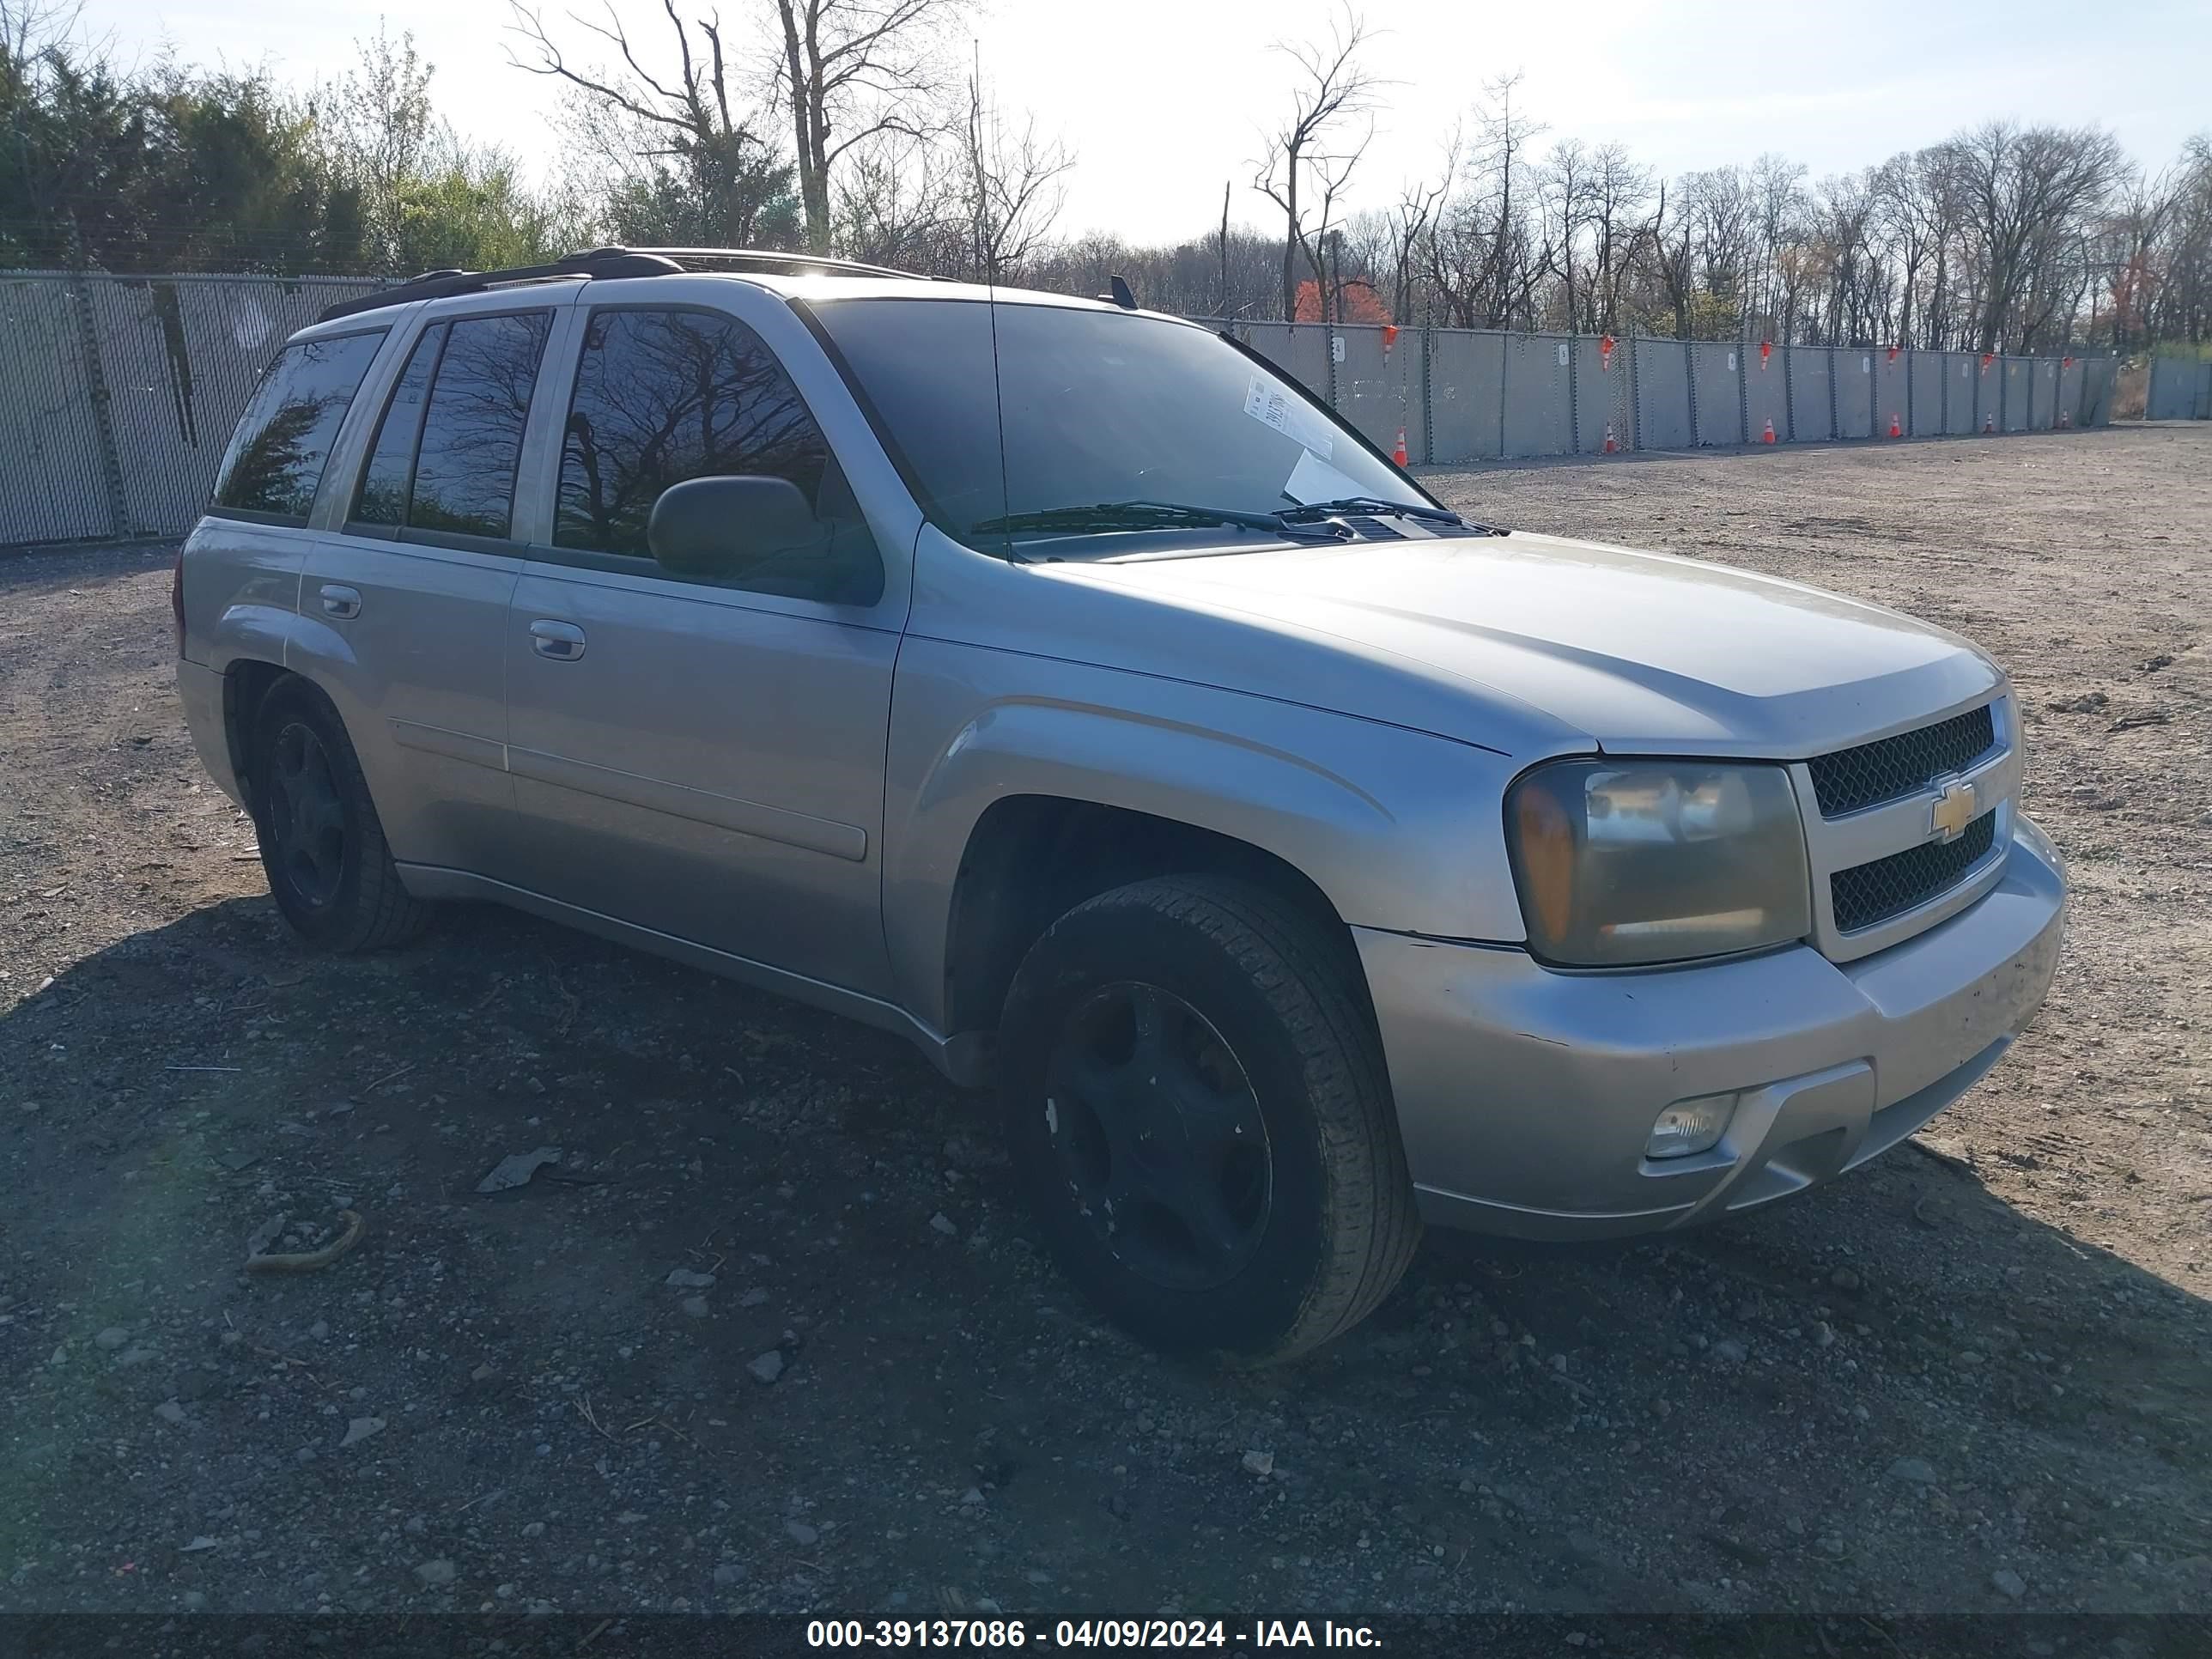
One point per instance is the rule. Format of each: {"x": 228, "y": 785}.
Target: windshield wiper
{"x": 1161, "y": 515}
{"x": 1373, "y": 504}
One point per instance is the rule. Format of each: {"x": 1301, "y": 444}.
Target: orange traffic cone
{"x": 1398, "y": 453}
{"x": 1989, "y": 423}
{"x": 1609, "y": 445}
{"x": 1768, "y": 437}
{"x": 1896, "y": 426}
{"x": 2064, "y": 419}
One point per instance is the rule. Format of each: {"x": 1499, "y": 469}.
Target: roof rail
{"x": 748, "y": 259}
{"x": 607, "y": 262}
{"x": 439, "y": 284}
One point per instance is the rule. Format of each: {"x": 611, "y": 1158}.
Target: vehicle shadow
{"x": 1899, "y": 1393}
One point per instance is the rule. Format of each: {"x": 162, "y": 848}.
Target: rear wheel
{"x": 322, "y": 844}
{"x": 1196, "y": 1105}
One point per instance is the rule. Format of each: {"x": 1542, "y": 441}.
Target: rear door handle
{"x": 559, "y": 640}
{"x": 340, "y": 602}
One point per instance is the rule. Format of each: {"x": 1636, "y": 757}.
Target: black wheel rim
{"x": 1157, "y": 1133}
{"x": 305, "y": 820}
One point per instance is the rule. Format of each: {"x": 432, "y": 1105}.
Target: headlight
{"x": 1620, "y": 862}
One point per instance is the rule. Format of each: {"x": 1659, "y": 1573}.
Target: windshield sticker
{"x": 1313, "y": 480}
{"x": 1271, "y": 406}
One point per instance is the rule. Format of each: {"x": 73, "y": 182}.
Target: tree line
{"x": 867, "y": 129}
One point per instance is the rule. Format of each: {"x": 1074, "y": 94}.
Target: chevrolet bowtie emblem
{"x": 1955, "y": 808}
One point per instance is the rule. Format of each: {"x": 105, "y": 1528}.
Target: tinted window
{"x": 277, "y": 456}
{"x": 473, "y": 424}
{"x": 383, "y": 498}
{"x": 663, "y": 396}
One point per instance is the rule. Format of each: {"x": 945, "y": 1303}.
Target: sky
{"x": 1163, "y": 101}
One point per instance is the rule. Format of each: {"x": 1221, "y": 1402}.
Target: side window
{"x": 666, "y": 396}
{"x": 277, "y": 456}
{"x": 445, "y": 453}
{"x": 383, "y": 497}
{"x": 472, "y": 425}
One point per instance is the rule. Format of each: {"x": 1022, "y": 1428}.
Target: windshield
{"x": 1096, "y": 406}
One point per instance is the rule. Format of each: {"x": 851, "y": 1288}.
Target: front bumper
{"x": 1525, "y": 1095}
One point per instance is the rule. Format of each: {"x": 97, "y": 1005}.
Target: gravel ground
{"x": 769, "y": 1332}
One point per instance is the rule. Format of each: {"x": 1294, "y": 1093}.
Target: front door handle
{"x": 341, "y": 602}
{"x": 559, "y": 640}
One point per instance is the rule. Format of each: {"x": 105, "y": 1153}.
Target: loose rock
{"x": 767, "y": 1367}
{"x": 2009, "y": 1581}
{"x": 1917, "y": 1470}
{"x": 436, "y": 1573}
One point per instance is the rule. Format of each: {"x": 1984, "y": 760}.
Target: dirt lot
{"x": 1975, "y": 1375}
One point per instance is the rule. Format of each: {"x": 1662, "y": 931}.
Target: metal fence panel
{"x": 2204, "y": 391}
{"x": 2018, "y": 382}
{"x": 1716, "y": 372}
{"x": 2098, "y": 376}
{"x": 1812, "y": 418}
{"x": 2043, "y": 394}
{"x": 1538, "y": 419}
{"x": 1467, "y": 391}
{"x": 1378, "y": 385}
{"x": 2172, "y": 392}
{"x": 1603, "y": 398}
{"x": 181, "y": 356}
{"x": 1987, "y": 389}
{"x": 1766, "y": 395}
{"x": 53, "y": 482}
{"x": 1662, "y": 394}
{"x": 1924, "y": 402}
{"x": 2071, "y": 401}
{"x": 1892, "y": 392}
{"x": 1855, "y": 392}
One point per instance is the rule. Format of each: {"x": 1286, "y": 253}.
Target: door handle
{"x": 558, "y": 640}
{"x": 340, "y": 602}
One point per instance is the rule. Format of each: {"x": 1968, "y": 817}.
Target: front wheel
{"x": 322, "y": 844}
{"x": 1197, "y": 1106}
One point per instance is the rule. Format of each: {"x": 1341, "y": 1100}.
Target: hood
{"x": 1568, "y": 644}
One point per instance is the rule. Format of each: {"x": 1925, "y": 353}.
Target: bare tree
{"x": 1012, "y": 186}
{"x": 707, "y": 173}
{"x": 2028, "y": 189}
{"x": 1334, "y": 97}
{"x": 850, "y": 71}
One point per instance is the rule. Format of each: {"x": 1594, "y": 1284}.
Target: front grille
{"x": 1891, "y": 768}
{"x": 1868, "y": 893}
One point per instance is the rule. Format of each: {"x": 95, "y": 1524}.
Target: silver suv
{"x": 1061, "y": 686}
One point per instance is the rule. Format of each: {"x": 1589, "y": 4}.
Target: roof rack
{"x": 605, "y": 262}
{"x": 742, "y": 259}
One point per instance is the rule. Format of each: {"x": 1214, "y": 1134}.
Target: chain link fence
{"x": 118, "y": 394}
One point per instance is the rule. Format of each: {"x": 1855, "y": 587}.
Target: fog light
{"x": 1690, "y": 1125}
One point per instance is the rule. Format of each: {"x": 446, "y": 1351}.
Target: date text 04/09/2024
{"x": 1084, "y": 1633}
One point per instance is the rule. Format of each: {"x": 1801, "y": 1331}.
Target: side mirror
{"x": 725, "y": 527}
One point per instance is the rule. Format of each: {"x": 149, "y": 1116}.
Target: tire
{"x": 1145, "y": 1189}
{"x": 322, "y": 844}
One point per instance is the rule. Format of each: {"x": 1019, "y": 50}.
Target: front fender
{"x": 1401, "y": 830}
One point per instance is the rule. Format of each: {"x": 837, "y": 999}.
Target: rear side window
{"x": 283, "y": 441}
{"x": 383, "y": 498}
{"x": 445, "y": 452}
{"x": 666, "y": 396}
